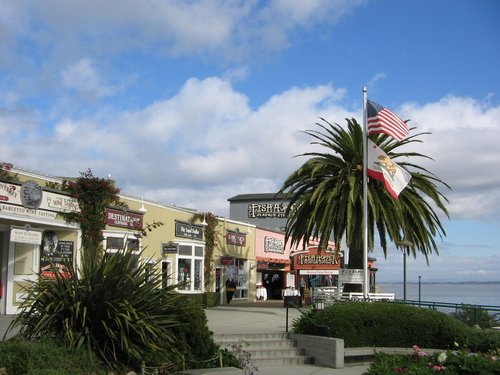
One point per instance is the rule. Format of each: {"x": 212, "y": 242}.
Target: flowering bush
{"x": 450, "y": 362}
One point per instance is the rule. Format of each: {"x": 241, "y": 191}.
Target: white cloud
{"x": 83, "y": 77}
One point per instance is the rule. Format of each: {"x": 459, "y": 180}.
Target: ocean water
{"x": 467, "y": 293}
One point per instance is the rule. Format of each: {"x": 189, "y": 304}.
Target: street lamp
{"x": 405, "y": 244}
{"x": 419, "y": 284}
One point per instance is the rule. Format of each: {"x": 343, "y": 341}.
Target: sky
{"x": 193, "y": 102}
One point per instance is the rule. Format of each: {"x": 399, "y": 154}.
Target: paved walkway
{"x": 259, "y": 317}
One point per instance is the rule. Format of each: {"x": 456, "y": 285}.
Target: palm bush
{"x": 119, "y": 311}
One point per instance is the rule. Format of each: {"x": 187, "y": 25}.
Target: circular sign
{"x": 31, "y": 194}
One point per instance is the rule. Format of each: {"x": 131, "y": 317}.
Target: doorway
{"x": 23, "y": 266}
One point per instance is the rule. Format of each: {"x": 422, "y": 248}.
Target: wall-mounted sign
{"x": 123, "y": 219}
{"x": 19, "y": 235}
{"x": 169, "y": 248}
{"x": 267, "y": 210}
{"x": 23, "y": 211}
{"x": 55, "y": 255}
{"x": 31, "y": 194}
{"x": 262, "y": 265}
{"x": 186, "y": 230}
{"x": 274, "y": 245}
{"x": 16, "y": 195}
{"x": 238, "y": 239}
{"x": 348, "y": 276}
{"x": 227, "y": 261}
{"x": 316, "y": 259}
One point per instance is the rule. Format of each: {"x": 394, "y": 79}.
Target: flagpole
{"x": 365, "y": 196}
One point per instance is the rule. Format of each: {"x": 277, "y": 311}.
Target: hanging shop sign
{"x": 238, "y": 239}
{"x": 186, "y": 230}
{"x": 123, "y": 219}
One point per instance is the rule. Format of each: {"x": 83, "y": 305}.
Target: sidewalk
{"x": 258, "y": 318}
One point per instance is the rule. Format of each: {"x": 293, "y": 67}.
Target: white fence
{"x": 330, "y": 295}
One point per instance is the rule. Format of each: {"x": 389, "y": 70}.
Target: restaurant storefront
{"x": 317, "y": 268}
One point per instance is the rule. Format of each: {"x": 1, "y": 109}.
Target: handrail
{"x": 456, "y": 306}
{"x": 450, "y": 305}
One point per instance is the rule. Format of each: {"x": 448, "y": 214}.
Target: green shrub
{"x": 46, "y": 357}
{"x": 14, "y": 357}
{"x": 114, "y": 309}
{"x": 472, "y": 315}
{"x": 194, "y": 345}
{"x": 211, "y": 299}
{"x": 388, "y": 324}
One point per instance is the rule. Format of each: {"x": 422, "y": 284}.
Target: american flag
{"x": 381, "y": 120}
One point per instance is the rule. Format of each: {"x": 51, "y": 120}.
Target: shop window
{"x": 121, "y": 243}
{"x": 190, "y": 268}
{"x": 23, "y": 259}
{"x": 240, "y": 271}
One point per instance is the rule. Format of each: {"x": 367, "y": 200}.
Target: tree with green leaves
{"x": 326, "y": 193}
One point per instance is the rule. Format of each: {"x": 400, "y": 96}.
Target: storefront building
{"x": 273, "y": 264}
{"x": 234, "y": 258}
{"x": 33, "y": 233}
{"x": 34, "y": 236}
{"x": 176, "y": 246}
{"x": 316, "y": 267}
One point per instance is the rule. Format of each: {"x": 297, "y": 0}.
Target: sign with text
{"x": 16, "y": 194}
{"x": 186, "y": 230}
{"x": 317, "y": 259}
{"x": 277, "y": 210}
{"x": 238, "y": 239}
{"x": 33, "y": 237}
{"x": 169, "y": 248}
{"x": 122, "y": 219}
{"x": 274, "y": 245}
{"x": 52, "y": 263}
{"x": 354, "y": 276}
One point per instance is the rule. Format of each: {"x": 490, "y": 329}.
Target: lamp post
{"x": 406, "y": 245}
{"x": 419, "y": 290}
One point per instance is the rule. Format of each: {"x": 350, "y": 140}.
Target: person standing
{"x": 230, "y": 289}
{"x": 302, "y": 289}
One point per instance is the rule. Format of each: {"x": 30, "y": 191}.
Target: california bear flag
{"x": 382, "y": 168}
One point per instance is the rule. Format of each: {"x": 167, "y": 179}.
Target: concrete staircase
{"x": 266, "y": 349}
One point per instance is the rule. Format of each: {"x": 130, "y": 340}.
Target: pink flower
{"x": 438, "y": 368}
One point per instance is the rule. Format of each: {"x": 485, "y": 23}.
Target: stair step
{"x": 251, "y": 336}
{"x": 266, "y": 349}
{"x": 281, "y": 361}
{"x": 254, "y": 344}
{"x": 265, "y": 353}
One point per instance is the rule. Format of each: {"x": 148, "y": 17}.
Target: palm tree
{"x": 326, "y": 200}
